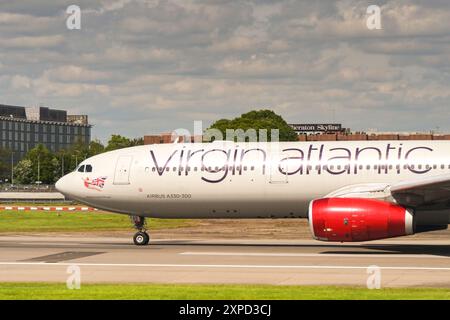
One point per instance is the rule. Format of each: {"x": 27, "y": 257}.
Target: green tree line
{"x": 40, "y": 165}
{"x": 258, "y": 120}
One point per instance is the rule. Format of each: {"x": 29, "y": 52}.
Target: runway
{"x": 401, "y": 263}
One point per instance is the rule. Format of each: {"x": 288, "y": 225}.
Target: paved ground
{"x": 404, "y": 262}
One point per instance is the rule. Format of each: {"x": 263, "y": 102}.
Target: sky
{"x": 141, "y": 67}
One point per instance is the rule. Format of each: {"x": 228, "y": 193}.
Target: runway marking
{"x": 312, "y": 255}
{"x": 46, "y": 208}
{"x": 231, "y": 266}
{"x": 63, "y": 256}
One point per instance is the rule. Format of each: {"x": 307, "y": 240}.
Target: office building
{"x": 23, "y": 128}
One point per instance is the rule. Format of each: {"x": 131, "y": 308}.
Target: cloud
{"x": 37, "y": 42}
{"x": 72, "y": 73}
{"x": 20, "y": 82}
{"x": 140, "y": 66}
{"x": 235, "y": 43}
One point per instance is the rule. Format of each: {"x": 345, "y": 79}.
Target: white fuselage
{"x": 245, "y": 180}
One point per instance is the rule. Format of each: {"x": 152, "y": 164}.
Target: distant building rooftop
{"x": 41, "y": 114}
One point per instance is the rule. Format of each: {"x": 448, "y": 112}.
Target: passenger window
{"x": 81, "y": 169}
{"x": 88, "y": 168}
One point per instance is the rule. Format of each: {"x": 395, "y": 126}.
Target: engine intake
{"x": 356, "y": 219}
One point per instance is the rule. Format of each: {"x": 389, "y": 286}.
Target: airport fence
{"x": 27, "y": 188}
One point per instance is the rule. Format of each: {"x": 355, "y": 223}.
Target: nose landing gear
{"x": 141, "y": 238}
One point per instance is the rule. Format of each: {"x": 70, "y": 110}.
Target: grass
{"x": 47, "y": 221}
{"x": 32, "y": 291}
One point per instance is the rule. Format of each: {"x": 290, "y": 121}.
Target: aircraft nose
{"x": 61, "y": 185}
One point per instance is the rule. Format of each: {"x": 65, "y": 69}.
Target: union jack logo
{"x": 96, "y": 184}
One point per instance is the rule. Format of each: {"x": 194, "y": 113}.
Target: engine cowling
{"x": 356, "y": 219}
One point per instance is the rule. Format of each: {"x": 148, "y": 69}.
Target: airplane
{"x": 350, "y": 191}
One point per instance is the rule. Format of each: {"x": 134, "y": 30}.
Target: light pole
{"x": 39, "y": 169}
{"x": 62, "y": 165}
{"x": 12, "y": 168}
{"x": 76, "y": 160}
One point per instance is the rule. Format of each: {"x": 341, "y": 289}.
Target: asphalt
{"x": 401, "y": 263}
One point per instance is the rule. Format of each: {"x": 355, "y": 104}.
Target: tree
{"x": 44, "y": 164}
{"x": 258, "y": 120}
{"x": 64, "y": 158}
{"x": 23, "y": 172}
{"x": 118, "y": 142}
{"x": 137, "y": 142}
{"x": 5, "y": 164}
{"x": 96, "y": 147}
{"x": 78, "y": 151}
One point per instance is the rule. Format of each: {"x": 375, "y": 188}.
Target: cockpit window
{"x": 88, "y": 168}
{"x": 81, "y": 169}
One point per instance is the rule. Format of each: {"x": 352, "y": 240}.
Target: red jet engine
{"x": 357, "y": 219}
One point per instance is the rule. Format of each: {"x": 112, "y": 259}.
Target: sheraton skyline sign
{"x": 319, "y": 127}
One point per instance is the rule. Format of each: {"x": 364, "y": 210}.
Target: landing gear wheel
{"x": 141, "y": 238}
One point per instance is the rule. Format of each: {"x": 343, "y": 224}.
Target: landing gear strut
{"x": 141, "y": 238}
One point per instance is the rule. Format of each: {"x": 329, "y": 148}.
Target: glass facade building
{"x": 20, "y": 134}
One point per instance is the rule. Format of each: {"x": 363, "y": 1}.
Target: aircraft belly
{"x": 252, "y": 208}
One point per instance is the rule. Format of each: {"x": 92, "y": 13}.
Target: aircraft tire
{"x": 141, "y": 238}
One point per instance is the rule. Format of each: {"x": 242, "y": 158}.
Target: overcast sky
{"x": 145, "y": 66}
